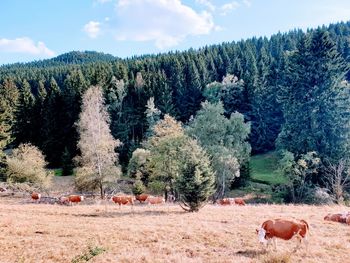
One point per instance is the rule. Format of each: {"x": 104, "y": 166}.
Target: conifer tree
{"x": 196, "y": 182}
{"x": 316, "y": 100}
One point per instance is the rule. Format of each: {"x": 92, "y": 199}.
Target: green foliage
{"x": 89, "y": 253}
{"x": 177, "y": 81}
{"x": 67, "y": 164}
{"x": 152, "y": 116}
{"x": 138, "y": 187}
{"x": 137, "y": 165}
{"x": 8, "y": 106}
{"x": 196, "y": 182}
{"x": 302, "y": 174}
{"x": 315, "y": 99}
{"x": 27, "y": 164}
{"x": 225, "y": 141}
{"x": 156, "y": 187}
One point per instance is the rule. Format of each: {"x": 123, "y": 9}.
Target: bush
{"x": 138, "y": 188}
{"x": 27, "y": 164}
{"x": 157, "y": 187}
{"x": 322, "y": 196}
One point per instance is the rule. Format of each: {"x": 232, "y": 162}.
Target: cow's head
{"x": 82, "y": 198}
{"x": 261, "y": 235}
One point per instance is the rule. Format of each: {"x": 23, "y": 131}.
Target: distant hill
{"x": 70, "y": 58}
{"x": 78, "y": 57}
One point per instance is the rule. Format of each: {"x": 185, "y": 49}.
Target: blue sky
{"x": 39, "y": 29}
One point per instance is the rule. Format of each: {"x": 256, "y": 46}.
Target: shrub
{"x": 27, "y": 164}
{"x": 157, "y": 187}
{"x": 138, "y": 187}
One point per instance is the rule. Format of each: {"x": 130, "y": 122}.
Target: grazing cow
{"x": 63, "y": 200}
{"x": 284, "y": 229}
{"x": 231, "y": 201}
{"x": 226, "y": 201}
{"x": 36, "y": 196}
{"x": 153, "y": 200}
{"x": 75, "y": 199}
{"x": 123, "y": 200}
{"x": 341, "y": 218}
{"x": 239, "y": 201}
{"x": 141, "y": 198}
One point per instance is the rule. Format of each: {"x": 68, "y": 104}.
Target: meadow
{"x": 103, "y": 232}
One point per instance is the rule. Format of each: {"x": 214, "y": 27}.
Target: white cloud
{"x": 166, "y": 22}
{"x": 25, "y": 45}
{"x": 211, "y": 7}
{"x": 92, "y": 29}
{"x": 247, "y": 3}
{"x": 227, "y": 8}
{"x": 107, "y": 19}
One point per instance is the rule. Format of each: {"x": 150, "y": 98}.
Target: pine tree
{"x": 315, "y": 102}
{"x": 8, "y": 105}
{"x": 23, "y": 128}
{"x": 152, "y": 116}
{"x": 196, "y": 182}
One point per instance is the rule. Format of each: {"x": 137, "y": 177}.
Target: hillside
{"x": 176, "y": 80}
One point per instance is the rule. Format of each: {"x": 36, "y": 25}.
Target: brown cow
{"x": 75, "y": 199}
{"x": 341, "y": 218}
{"x": 153, "y": 200}
{"x": 36, "y": 196}
{"x": 284, "y": 229}
{"x": 226, "y": 201}
{"x": 123, "y": 200}
{"x": 231, "y": 201}
{"x": 142, "y": 197}
{"x": 239, "y": 201}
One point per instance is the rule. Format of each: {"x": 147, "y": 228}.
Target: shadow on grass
{"x": 112, "y": 214}
{"x": 251, "y": 253}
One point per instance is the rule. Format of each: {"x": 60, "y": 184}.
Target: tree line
{"x": 291, "y": 90}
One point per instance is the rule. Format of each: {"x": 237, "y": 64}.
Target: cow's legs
{"x": 299, "y": 238}
{"x": 274, "y": 240}
{"x": 306, "y": 241}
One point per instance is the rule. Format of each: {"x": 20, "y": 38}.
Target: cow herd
{"x": 118, "y": 199}
{"x": 268, "y": 232}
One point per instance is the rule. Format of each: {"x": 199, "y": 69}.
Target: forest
{"x": 224, "y": 103}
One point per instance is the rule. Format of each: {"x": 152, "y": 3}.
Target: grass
{"x": 52, "y": 233}
{"x": 58, "y": 172}
{"x": 91, "y": 251}
{"x": 264, "y": 169}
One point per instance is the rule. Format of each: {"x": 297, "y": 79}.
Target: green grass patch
{"x": 264, "y": 169}
{"x": 58, "y": 172}
{"x": 89, "y": 253}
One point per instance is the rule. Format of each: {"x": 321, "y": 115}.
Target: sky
{"x": 40, "y": 29}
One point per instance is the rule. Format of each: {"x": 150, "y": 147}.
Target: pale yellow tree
{"x": 98, "y": 164}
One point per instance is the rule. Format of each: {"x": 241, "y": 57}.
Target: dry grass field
{"x": 53, "y": 233}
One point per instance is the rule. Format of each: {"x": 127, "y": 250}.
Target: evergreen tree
{"x": 315, "y": 100}
{"x": 23, "y": 129}
{"x": 8, "y": 105}
{"x": 196, "y": 182}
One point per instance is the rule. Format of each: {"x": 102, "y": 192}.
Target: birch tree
{"x": 98, "y": 163}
